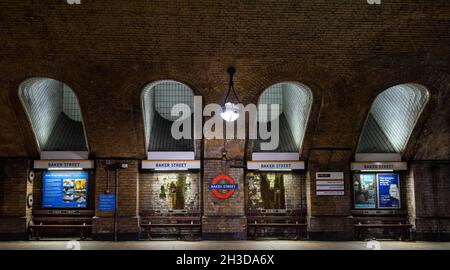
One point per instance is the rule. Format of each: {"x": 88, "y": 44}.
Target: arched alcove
{"x": 392, "y": 118}
{"x": 55, "y": 115}
{"x": 295, "y": 102}
{"x": 158, "y": 99}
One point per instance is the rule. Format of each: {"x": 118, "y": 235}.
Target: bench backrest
{"x": 274, "y": 219}
{"x": 381, "y": 220}
{"x": 172, "y": 219}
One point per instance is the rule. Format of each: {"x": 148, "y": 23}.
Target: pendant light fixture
{"x": 230, "y": 111}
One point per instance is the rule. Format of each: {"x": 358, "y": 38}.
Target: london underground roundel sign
{"x": 223, "y": 186}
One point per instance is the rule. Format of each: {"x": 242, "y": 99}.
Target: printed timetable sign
{"x": 388, "y": 190}
{"x": 65, "y": 189}
{"x": 107, "y": 202}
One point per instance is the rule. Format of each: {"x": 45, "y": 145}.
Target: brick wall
{"x": 128, "y": 201}
{"x": 294, "y": 190}
{"x": 152, "y": 197}
{"x": 223, "y": 218}
{"x": 14, "y": 213}
{"x": 432, "y": 200}
{"x": 329, "y": 216}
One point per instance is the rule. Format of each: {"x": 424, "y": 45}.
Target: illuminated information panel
{"x": 65, "y": 189}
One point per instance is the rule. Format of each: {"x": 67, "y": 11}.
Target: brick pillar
{"x": 224, "y": 219}
{"x": 429, "y": 189}
{"x": 329, "y": 216}
{"x": 14, "y": 187}
{"x": 128, "y": 201}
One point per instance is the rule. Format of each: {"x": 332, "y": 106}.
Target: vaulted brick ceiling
{"x": 346, "y": 51}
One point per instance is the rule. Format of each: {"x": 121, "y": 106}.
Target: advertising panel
{"x": 388, "y": 190}
{"x": 65, "y": 189}
{"x": 364, "y": 191}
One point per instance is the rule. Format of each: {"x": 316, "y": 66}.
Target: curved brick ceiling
{"x": 346, "y": 51}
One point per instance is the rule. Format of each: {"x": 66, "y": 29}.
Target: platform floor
{"x": 222, "y": 245}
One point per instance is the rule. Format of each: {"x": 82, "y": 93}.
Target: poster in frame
{"x": 388, "y": 190}
{"x": 364, "y": 191}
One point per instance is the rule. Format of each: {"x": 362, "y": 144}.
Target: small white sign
{"x": 330, "y": 187}
{"x": 330, "y": 183}
{"x": 329, "y": 176}
{"x": 330, "y": 193}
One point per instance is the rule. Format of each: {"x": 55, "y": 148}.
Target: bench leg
{"x": 297, "y": 233}
{"x": 149, "y": 233}
{"x": 38, "y": 234}
{"x": 359, "y": 234}
{"x": 82, "y": 234}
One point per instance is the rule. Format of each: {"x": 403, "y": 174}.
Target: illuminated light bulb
{"x": 230, "y": 112}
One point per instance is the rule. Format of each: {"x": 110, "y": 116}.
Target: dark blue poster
{"x": 65, "y": 189}
{"x": 388, "y": 190}
{"x": 107, "y": 202}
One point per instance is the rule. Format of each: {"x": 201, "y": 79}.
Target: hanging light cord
{"x": 231, "y": 70}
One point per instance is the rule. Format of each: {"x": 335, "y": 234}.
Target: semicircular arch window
{"x": 290, "y": 103}
{"x": 392, "y": 118}
{"x": 54, "y": 113}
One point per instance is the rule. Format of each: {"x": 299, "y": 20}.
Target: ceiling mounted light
{"x": 230, "y": 110}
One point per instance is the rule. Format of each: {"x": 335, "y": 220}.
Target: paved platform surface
{"x": 223, "y": 245}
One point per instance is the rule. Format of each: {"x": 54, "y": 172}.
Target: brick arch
{"x": 429, "y": 140}
{"x": 375, "y": 81}
{"x": 388, "y": 129}
{"x": 148, "y": 124}
{"x": 294, "y": 88}
{"x": 38, "y": 138}
{"x": 258, "y": 80}
{"x": 53, "y": 71}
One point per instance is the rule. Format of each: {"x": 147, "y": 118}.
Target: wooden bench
{"x": 362, "y": 228}
{"x": 392, "y": 220}
{"x": 37, "y": 229}
{"x": 173, "y": 219}
{"x": 54, "y": 220}
{"x": 276, "y": 219}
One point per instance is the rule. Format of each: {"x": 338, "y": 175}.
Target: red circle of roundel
{"x": 223, "y": 195}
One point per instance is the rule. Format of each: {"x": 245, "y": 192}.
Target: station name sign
{"x": 276, "y": 165}
{"x": 167, "y": 165}
{"x": 378, "y": 166}
{"x": 63, "y": 164}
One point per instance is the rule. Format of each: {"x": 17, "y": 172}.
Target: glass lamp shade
{"x": 230, "y": 112}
